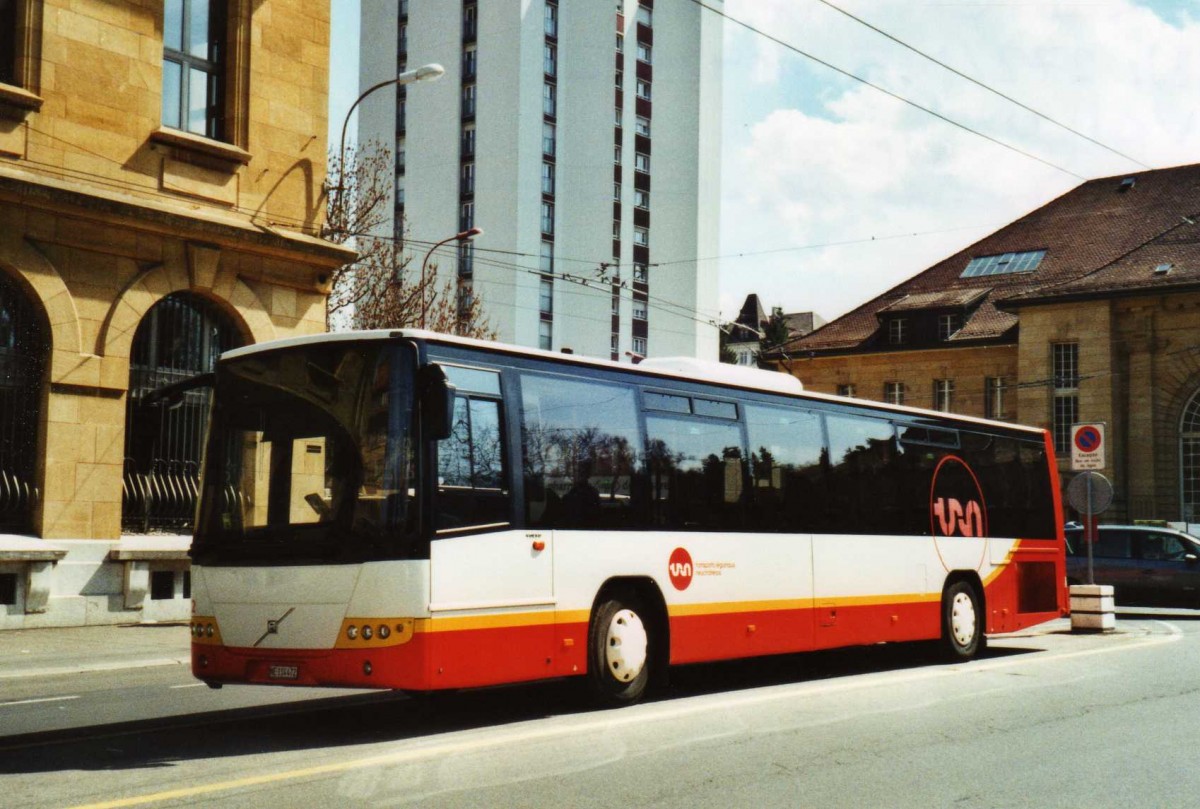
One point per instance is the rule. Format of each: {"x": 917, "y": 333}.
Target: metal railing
{"x": 163, "y": 498}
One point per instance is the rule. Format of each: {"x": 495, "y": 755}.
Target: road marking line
{"x": 639, "y": 714}
{"x": 32, "y": 701}
{"x": 188, "y": 685}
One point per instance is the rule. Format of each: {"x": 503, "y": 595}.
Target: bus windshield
{"x": 310, "y": 456}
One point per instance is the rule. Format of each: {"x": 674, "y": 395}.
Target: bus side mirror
{"x": 437, "y": 403}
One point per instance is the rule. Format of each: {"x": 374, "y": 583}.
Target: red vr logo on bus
{"x": 956, "y": 504}
{"x": 680, "y": 568}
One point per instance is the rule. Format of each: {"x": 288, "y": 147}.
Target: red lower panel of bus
{"x": 388, "y": 667}
{"x": 1023, "y": 594}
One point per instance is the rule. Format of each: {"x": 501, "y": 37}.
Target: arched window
{"x": 1189, "y": 456}
{"x": 181, "y": 336}
{"x": 23, "y": 350}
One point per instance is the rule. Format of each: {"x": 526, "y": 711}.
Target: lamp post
{"x": 424, "y": 73}
{"x": 464, "y": 236}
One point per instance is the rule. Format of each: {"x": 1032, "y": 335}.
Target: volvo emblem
{"x": 273, "y": 625}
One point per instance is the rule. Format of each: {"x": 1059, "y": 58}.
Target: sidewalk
{"x": 46, "y": 652}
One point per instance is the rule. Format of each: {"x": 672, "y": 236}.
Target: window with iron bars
{"x": 24, "y": 348}
{"x": 182, "y": 335}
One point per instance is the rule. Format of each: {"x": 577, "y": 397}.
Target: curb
{"x": 85, "y": 668}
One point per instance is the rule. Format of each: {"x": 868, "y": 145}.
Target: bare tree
{"x": 380, "y": 290}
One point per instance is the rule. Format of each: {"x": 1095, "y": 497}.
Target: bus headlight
{"x": 367, "y": 632}
{"x": 352, "y": 632}
{"x": 384, "y": 631}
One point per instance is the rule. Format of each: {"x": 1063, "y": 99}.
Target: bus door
{"x": 492, "y": 587}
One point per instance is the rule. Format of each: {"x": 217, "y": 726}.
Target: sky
{"x": 833, "y": 191}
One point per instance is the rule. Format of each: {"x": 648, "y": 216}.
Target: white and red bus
{"x": 406, "y": 510}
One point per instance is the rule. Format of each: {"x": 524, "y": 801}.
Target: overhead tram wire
{"x": 981, "y": 84}
{"x": 823, "y": 245}
{"x": 887, "y": 92}
{"x": 592, "y": 284}
{"x": 602, "y": 288}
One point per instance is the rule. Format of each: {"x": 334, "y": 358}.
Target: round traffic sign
{"x": 1087, "y": 439}
{"x": 1090, "y": 499}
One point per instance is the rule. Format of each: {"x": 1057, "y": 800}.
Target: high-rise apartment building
{"x": 583, "y": 137}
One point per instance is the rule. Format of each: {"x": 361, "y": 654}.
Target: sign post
{"x": 1087, "y": 456}
{"x": 1091, "y": 605}
{"x": 1090, "y": 493}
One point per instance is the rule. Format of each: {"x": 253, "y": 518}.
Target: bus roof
{"x": 684, "y": 368}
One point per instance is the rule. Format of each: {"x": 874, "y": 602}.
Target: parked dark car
{"x": 1146, "y": 566}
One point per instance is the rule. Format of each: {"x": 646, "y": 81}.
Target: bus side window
{"x": 1013, "y": 477}
{"x": 471, "y": 467}
{"x": 580, "y": 442}
{"x": 787, "y": 476}
{"x": 866, "y": 477}
{"x": 697, "y": 473}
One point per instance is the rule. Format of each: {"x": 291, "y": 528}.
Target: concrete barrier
{"x": 1092, "y": 608}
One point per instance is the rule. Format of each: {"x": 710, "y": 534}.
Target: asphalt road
{"x": 1045, "y": 719}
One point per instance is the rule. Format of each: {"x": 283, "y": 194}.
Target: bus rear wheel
{"x": 619, "y": 648}
{"x": 962, "y": 622}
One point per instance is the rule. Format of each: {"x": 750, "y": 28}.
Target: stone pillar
{"x": 1092, "y": 608}
{"x": 85, "y": 448}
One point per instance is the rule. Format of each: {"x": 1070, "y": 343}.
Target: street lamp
{"x": 464, "y": 236}
{"x": 424, "y": 73}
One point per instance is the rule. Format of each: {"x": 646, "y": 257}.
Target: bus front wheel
{"x": 620, "y": 652}
{"x": 962, "y": 622}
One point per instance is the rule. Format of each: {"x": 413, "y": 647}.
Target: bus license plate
{"x": 284, "y": 672}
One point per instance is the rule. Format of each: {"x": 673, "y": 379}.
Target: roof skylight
{"x": 1004, "y": 264}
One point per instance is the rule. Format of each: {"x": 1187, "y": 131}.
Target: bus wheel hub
{"x": 625, "y": 646}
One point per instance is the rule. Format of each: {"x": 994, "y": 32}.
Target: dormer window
{"x": 1004, "y": 264}
{"x": 898, "y": 331}
{"x": 947, "y": 325}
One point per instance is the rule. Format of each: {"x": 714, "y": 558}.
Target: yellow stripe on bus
{"x": 510, "y": 620}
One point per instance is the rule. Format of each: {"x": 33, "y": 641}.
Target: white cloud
{"x": 841, "y": 161}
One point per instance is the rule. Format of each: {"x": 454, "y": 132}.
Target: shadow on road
{"x": 375, "y": 717}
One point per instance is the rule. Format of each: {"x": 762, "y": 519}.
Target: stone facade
{"x": 1139, "y": 369}
{"x": 917, "y": 371}
{"x": 105, "y": 212}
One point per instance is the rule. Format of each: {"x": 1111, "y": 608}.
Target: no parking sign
{"x": 1087, "y": 447}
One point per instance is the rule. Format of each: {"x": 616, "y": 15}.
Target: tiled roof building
{"x": 1084, "y": 310}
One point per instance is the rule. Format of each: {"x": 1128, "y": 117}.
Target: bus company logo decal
{"x": 680, "y": 568}
{"x": 956, "y": 504}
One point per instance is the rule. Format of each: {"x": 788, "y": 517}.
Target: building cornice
{"x": 165, "y": 216}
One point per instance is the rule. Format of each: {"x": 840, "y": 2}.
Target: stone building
{"x": 1085, "y": 310}
{"x": 161, "y": 173}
